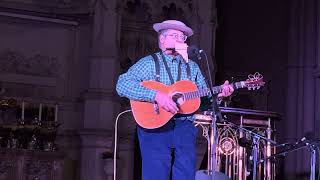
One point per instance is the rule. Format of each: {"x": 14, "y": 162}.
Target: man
{"x": 171, "y": 149}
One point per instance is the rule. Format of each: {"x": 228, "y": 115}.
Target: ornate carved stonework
{"x": 156, "y": 10}
{"x": 137, "y": 11}
{"x": 134, "y": 45}
{"x": 174, "y": 11}
{"x": 137, "y": 36}
{"x": 5, "y": 167}
{"x": 49, "y": 6}
{"x": 38, "y": 65}
{"x": 17, "y": 164}
{"x": 38, "y": 168}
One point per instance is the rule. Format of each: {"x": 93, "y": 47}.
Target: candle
{"x": 22, "y": 113}
{"x": 40, "y": 111}
{"x": 56, "y": 113}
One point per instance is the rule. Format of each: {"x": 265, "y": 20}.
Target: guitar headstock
{"x": 254, "y": 81}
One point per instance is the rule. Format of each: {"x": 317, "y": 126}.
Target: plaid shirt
{"x": 129, "y": 86}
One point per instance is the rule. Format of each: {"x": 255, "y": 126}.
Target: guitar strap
{"x": 157, "y": 68}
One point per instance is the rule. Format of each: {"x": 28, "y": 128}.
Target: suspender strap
{"x": 157, "y": 66}
{"x": 168, "y": 70}
{"x": 188, "y": 71}
{"x": 179, "y": 71}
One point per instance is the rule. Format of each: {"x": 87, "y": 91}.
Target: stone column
{"x": 317, "y": 74}
{"x": 207, "y": 24}
{"x": 204, "y": 24}
{"x": 302, "y": 56}
{"x": 100, "y": 103}
{"x": 125, "y": 163}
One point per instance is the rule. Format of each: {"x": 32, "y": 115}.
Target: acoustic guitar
{"x": 187, "y": 97}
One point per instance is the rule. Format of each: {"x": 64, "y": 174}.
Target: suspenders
{"x": 157, "y": 68}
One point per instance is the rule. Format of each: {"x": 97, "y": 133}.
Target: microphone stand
{"x": 313, "y": 149}
{"x": 313, "y": 162}
{"x": 312, "y": 145}
{"x": 215, "y": 116}
{"x": 255, "y": 146}
{"x": 217, "y": 113}
{"x": 212, "y": 162}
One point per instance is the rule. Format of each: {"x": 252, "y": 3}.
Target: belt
{"x": 183, "y": 117}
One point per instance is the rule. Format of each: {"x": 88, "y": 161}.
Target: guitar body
{"x": 150, "y": 115}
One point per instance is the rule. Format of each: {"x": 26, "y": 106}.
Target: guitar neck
{"x": 215, "y": 90}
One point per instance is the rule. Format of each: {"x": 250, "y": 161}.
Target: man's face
{"x": 171, "y": 37}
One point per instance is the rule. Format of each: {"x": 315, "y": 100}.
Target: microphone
{"x": 294, "y": 144}
{"x": 285, "y": 145}
{"x": 244, "y": 142}
{"x": 309, "y": 138}
{"x": 194, "y": 52}
{"x": 303, "y": 139}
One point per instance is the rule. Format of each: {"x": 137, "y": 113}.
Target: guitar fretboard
{"x": 215, "y": 90}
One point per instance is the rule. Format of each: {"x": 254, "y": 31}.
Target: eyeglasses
{"x": 175, "y": 36}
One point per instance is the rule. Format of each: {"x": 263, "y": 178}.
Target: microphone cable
{"x": 116, "y": 142}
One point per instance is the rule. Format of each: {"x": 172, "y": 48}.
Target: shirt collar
{"x": 170, "y": 58}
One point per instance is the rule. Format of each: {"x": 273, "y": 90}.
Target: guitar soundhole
{"x": 178, "y": 98}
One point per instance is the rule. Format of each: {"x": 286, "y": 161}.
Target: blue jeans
{"x": 169, "y": 150}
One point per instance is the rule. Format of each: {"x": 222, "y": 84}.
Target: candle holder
{"x": 26, "y": 137}
{"x": 47, "y": 139}
{"x": 12, "y": 141}
{"x": 36, "y": 122}
{"x": 28, "y": 125}
{"x": 4, "y": 136}
{"x": 21, "y": 122}
{"x": 32, "y": 145}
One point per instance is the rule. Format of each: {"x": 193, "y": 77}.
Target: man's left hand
{"x": 227, "y": 90}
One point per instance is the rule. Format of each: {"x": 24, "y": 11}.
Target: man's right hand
{"x": 166, "y": 102}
